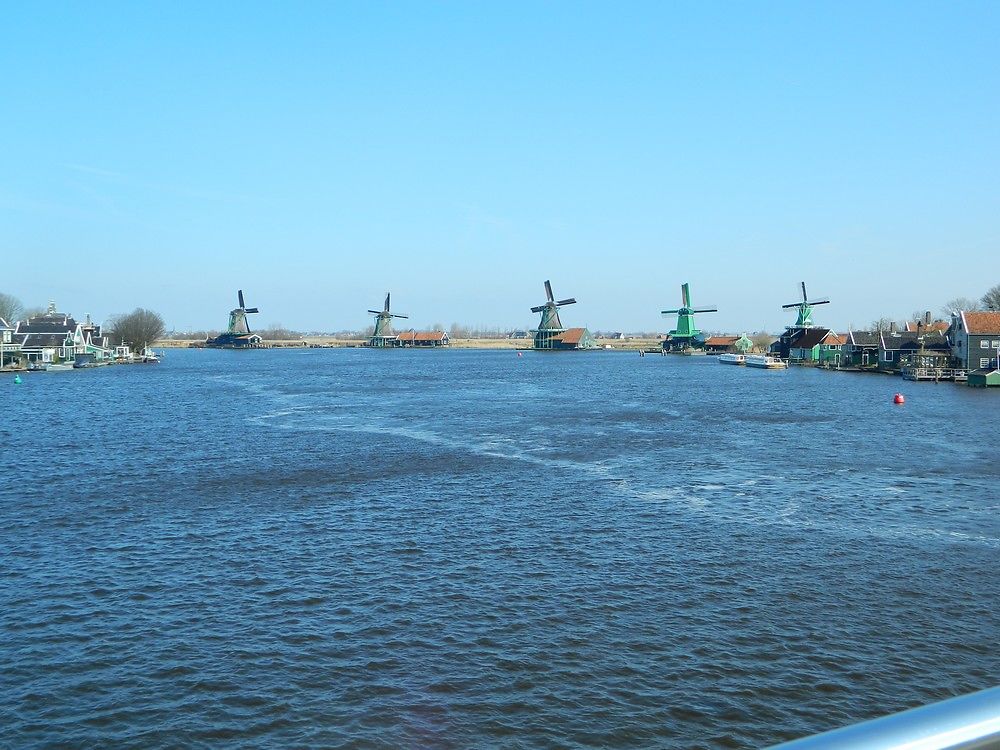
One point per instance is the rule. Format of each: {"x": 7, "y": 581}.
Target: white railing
{"x": 969, "y": 722}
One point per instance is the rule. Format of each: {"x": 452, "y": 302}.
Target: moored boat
{"x": 765, "y": 362}
{"x": 732, "y": 359}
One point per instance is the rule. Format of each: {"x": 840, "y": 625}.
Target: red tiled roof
{"x": 835, "y": 339}
{"x": 982, "y": 322}
{"x": 937, "y": 325}
{"x": 422, "y": 336}
{"x": 571, "y": 335}
{"x": 721, "y": 340}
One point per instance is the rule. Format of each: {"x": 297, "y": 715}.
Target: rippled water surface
{"x": 456, "y": 549}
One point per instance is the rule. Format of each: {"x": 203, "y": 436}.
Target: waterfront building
{"x": 54, "y": 336}
{"x": 804, "y": 343}
{"x": 721, "y": 344}
{"x": 974, "y": 338}
{"x": 10, "y": 351}
{"x": 899, "y": 349}
{"x": 423, "y": 338}
{"x": 860, "y": 349}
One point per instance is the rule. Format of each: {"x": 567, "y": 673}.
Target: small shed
{"x": 984, "y": 378}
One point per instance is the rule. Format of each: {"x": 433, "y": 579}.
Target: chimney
{"x": 892, "y": 327}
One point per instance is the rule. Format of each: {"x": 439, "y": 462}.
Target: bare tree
{"x": 761, "y": 341}
{"x": 138, "y": 329}
{"x": 959, "y": 304}
{"x": 11, "y": 308}
{"x": 882, "y": 324}
{"x": 991, "y": 300}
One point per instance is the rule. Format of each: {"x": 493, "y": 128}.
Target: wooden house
{"x": 860, "y": 349}
{"x": 975, "y": 339}
{"x": 423, "y": 338}
{"x": 807, "y": 346}
{"x": 57, "y": 337}
{"x": 10, "y": 351}
{"x": 721, "y": 344}
{"x": 899, "y": 349}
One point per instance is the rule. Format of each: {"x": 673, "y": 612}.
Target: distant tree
{"x": 991, "y": 300}
{"x": 959, "y": 304}
{"x": 881, "y": 324}
{"x": 277, "y": 332}
{"x": 437, "y": 326}
{"x": 11, "y": 308}
{"x": 761, "y": 341}
{"x": 139, "y": 328}
{"x": 31, "y": 312}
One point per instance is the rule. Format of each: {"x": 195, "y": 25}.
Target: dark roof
{"x": 48, "y": 323}
{"x": 44, "y": 340}
{"x": 910, "y": 340}
{"x": 863, "y": 338}
{"x": 809, "y": 338}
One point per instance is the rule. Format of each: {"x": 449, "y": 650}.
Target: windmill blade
{"x": 804, "y": 296}
{"x": 240, "y": 295}
{"x": 387, "y": 301}
{"x": 570, "y": 301}
{"x": 685, "y": 295}
{"x": 794, "y": 304}
{"x": 394, "y": 315}
{"x": 823, "y": 301}
{"x": 704, "y": 309}
{"x": 548, "y": 291}
{"x": 539, "y": 308}
{"x": 376, "y": 312}
{"x": 669, "y": 312}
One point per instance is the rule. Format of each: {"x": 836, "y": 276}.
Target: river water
{"x": 464, "y": 549}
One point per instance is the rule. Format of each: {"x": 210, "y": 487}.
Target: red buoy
{"x": 898, "y": 399}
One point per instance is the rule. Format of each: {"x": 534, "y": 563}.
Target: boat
{"x": 58, "y": 366}
{"x": 732, "y": 359}
{"x": 149, "y": 357}
{"x": 765, "y": 362}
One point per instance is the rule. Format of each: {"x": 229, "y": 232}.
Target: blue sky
{"x": 318, "y": 154}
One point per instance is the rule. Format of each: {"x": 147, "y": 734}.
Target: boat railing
{"x": 968, "y": 722}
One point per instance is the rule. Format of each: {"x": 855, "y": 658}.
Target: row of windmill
{"x": 550, "y": 334}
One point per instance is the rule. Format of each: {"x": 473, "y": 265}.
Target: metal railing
{"x": 969, "y": 722}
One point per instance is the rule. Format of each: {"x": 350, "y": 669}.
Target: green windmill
{"x": 686, "y": 335}
{"x": 383, "y": 335}
{"x": 744, "y": 344}
{"x": 805, "y": 308}
{"x": 550, "y": 326}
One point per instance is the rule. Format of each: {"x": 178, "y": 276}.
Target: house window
{"x": 887, "y": 356}
{"x": 984, "y": 363}
{"x": 996, "y": 344}
{"x": 984, "y": 344}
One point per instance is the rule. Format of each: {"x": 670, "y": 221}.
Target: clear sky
{"x": 459, "y": 153}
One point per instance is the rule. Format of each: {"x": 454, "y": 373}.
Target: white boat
{"x": 732, "y": 359}
{"x": 765, "y": 362}
{"x": 58, "y": 366}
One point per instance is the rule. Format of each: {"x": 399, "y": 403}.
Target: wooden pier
{"x": 936, "y": 374}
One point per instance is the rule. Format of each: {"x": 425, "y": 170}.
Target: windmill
{"x": 238, "y": 318}
{"x": 549, "y": 327}
{"x": 805, "y": 308}
{"x": 383, "y": 335}
{"x": 686, "y": 336}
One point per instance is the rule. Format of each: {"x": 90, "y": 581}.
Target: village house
{"x": 721, "y": 344}
{"x": 860, "y": 349}
{"x": 806, "y": 346}
{"x": 423, "y": 338}
{"x": 899, "y": 349}
{"x": 10, "y": 352}
{"x": 57, "y": 337}
{"x": 975, "y": 339}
